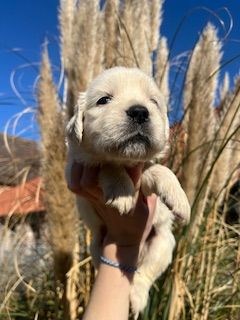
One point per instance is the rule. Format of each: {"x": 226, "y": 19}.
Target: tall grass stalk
{"x": 58, "y": 200}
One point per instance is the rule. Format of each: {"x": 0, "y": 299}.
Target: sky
{"x": 26, "y": 24}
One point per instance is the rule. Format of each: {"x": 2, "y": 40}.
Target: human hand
{"x": 124, "y": 230}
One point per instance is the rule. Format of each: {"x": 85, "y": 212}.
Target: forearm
{"x": 110, "y": 295}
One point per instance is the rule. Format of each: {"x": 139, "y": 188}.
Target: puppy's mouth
{"x": 137, "y": 139}
{"x": 135, "y": 147}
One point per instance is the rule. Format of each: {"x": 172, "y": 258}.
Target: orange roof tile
{"x": 22, "y": 199}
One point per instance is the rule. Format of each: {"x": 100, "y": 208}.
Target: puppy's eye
{"x": 154, "y": 101}
{"x": 104, "y": 100}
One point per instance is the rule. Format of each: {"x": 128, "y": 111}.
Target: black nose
{"x": 138, "y": 113}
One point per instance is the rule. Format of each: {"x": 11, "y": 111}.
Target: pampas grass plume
{"x": 66, "y": 16}
{"x": 199, "y": 120}
{"x": 111, "y": 31}
{"x": 155, "y": 20}
{"x": 162, "y": 68}
{"x": 61, "y": 218}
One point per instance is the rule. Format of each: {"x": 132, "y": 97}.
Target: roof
{"x": 22, "y": 199}
{"x": 19, "y": 158}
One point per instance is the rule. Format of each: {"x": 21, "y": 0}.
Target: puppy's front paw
{"x": 118, "y": 188}
{"x": 178, "y": 204}
{"x": 162, "y": 181}
{"x": 123, "y": 204}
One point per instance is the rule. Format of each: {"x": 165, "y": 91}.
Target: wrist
{"x": 123, "y": 255}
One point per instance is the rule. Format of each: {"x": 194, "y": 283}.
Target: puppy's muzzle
{"x": 139, "y": 114}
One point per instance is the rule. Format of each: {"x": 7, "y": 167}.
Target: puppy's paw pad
{"x": 123, "y": 204}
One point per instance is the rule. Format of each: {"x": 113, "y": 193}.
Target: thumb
{"x": 135, "y": 172}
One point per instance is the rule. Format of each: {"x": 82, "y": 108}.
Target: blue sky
{"x": 24, "y": 24}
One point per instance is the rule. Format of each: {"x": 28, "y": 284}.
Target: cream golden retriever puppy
{"x": 119, "y": 121}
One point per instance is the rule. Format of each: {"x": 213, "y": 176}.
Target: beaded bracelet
{"x": 120, "y": 266}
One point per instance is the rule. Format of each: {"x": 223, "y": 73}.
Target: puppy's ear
{"x": 75, "y": 125}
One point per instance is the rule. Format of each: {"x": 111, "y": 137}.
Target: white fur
{"x": 101, "y": 135}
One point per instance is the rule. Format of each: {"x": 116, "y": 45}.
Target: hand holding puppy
{"x": 123, "y": 230}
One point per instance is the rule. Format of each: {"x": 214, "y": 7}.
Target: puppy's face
{"x": 122, "y": 115}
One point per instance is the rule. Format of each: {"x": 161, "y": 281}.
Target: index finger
{"x": 75, "y": 177}
{"x": 83, "y": 179}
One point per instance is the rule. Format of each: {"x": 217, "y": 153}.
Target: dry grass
{"x": 203, "y": 281}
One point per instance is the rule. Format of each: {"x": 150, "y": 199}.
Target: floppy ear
{"x": 75, "y": 125}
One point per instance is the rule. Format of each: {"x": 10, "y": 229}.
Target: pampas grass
{"x": 67, "y": 9}
{"x": 141, "y": 36}
{"x": 155, "y": 22}
{"x": 228, "y": 120}
{"x": 199, "y": 120}
{"x": 162, "y": 68}
{"x": 127, "y": 55}
{"x": 111, "y": 31}
{"x": 59, "y": 201}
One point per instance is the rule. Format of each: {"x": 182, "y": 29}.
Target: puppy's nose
{"x": 138, "y": 113}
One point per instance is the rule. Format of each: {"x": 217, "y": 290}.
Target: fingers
{"x": 135, "y": 173}
{"x": 89, "y": 177}
{"x": 75, "y": 177}
{"x": 151, "y": 203}
{"x": 84, "y": 180}
{"x": 148, "y": 202}
{"x": 128, "y": 229}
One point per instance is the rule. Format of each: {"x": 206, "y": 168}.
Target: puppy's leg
{"x": 155, "y": 258}
{"x": 118, "y": 188}
{"x": 162, "y": 181}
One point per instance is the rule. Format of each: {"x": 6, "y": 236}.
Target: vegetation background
{"x": 203, "y": 281}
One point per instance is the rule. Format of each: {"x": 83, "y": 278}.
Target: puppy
{"x": 119, "y": 121}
